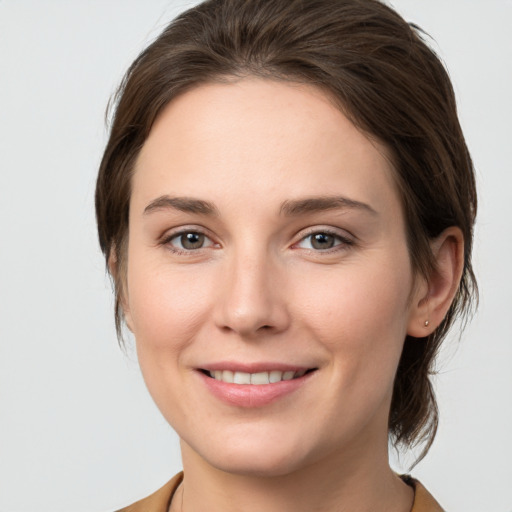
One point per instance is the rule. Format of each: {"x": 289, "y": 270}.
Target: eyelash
{"x": 341, "y": 242}
{"x": 166, "y": 241}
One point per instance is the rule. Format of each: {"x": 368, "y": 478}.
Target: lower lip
{"x": 251, "y": 395}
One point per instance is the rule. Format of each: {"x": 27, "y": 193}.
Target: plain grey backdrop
{"x": 78, "y": 430}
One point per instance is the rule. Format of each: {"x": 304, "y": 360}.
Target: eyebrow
{"x": 289, "y": 208}
{"x": 183, "y": 204}
{"x": 321, "y": 203}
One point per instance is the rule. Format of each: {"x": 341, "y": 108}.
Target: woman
{"x": 286, "y": 205}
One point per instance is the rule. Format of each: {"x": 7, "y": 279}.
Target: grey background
{"x": 78, "y": 431}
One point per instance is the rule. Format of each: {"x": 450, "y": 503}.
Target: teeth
{"x": 242, "y": 378}
{"x": 227, "y": 376}
{"x": 255, "y": 378}
{"x": 275, "y": 376}
{"x": 260, "y": 378}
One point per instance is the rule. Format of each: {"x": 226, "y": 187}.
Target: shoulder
{"x": 423, "y": 500}
{"x": 159, "y": 501}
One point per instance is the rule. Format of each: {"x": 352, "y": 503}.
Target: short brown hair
{"x": 383, "y": 77}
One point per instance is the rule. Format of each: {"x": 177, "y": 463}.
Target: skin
{"x": 258, "y": 290}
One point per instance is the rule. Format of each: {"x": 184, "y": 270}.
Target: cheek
{"x": 361, "y": 316}
{"x": 167, "y": 306}
{"x": 167, "y": 309}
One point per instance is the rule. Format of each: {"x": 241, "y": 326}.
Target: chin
{"x": 263, "y": 457}
{"x": 260, "y": 465}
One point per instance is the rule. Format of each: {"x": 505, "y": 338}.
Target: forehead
{"x": 279, "y": 139}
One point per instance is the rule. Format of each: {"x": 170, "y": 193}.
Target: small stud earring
{"x": 426, "y": 324}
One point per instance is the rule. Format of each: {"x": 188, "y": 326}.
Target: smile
{"x": 259, "y": 378}
{"x": 256, "y": 388}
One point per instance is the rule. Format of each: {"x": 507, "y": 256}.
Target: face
{"x": 268, "y": 278}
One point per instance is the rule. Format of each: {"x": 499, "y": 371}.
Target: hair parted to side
{"x": 384, "y": 78}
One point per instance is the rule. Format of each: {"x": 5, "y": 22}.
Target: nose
{"x": 251, "y": 299}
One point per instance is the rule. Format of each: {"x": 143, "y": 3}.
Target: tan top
{"x": 161, "y": 499}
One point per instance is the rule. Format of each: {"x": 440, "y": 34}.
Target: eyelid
{"x": 168, "y": 236}
{"x": 345, "y": 240}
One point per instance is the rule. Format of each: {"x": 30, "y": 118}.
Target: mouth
{"x": 250, "y": 385}
{"x": 260, "y": 378}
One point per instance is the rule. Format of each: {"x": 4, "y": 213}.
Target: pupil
{"x": 192, "y": 240}
{"x": 322, "y": 241}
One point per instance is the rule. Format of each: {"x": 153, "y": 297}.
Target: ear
{"x": 120, "y": 286}
{"x": 432, "y": 299}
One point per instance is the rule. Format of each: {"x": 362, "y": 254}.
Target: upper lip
{"x": 255, "y": 367}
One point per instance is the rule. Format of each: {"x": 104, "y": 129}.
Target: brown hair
{"x": 383, "y": 77}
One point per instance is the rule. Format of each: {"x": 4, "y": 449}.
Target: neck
{"x": 337, "y": 482}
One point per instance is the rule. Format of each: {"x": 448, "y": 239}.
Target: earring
{"x": 426, "y": 324}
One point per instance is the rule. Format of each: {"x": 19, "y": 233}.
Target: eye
{"x": 188, "y": 241}
{"x": 322, "y": 241}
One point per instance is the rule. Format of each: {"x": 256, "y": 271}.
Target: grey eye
{"x": 189, "y": 241}
{"x": 322, "y": 241}
{"x": 192, "y": 240}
